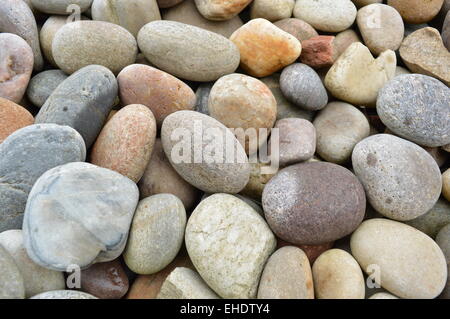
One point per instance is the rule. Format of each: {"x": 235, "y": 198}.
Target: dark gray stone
{"x": 83, "y": 101}
{"x": 27, "y": 154}
{"x": 416, "y": 107}
{"x": 302, "y": 86}
{"x": 202, "y": 94}
{"x": 43, "y": 84}
{"x": 79, "y": 214}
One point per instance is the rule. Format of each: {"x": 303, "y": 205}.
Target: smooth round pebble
{"x": 416, "y": 11}
{"x": 382, "y": 295}
{"x": 443, "y": 240}
{"x": 64, "y": 294}
{"x": 272, "y": 10}
{"x": 432, "y": 221}
{"x": 218, "y": 10}
{"x": 12, "y": 118}
{"x": 298, "y": 28}
{"x": 344, "y": 39}
{"x": 60, "y": 6}
{"x": 260, "y": 174}
{"x": 446, "y": 184}
{"x": 43, "y": 84}
{"x": 11, "y": 280}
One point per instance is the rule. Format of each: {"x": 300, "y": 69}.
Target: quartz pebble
{"x": 12, "y": 118}
{"x": 219, "y": 10}
{"x": 43, "y": 84}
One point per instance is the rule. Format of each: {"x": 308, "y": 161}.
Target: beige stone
{"x": 446, "y": 184}
{"x": 344, "y": 39}
{"x": 258, "y": 180}
{"x": 219, "y": 10}
{"x": 417, "y": 11}
{"x": 383, "y": 295}
{"x": 272, "y": 10}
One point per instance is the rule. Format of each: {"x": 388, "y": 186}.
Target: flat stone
{"x": 411, "y": 265}
{"x": 446, "y": 184}
{"x": 27, "y": 154}
{"x": 43, "y": 84}
{"x": 78, "y": 214}
{"x": 300, "y": 29}
{"x": 432, "y": 221}
{"x": 302, "y": 202}
{"x": 11, "y": 280}
{"x": 416, "y": 11}
{"x": 416, "y": 107}
{"x": 156, "y": 234}
{"x": 125, "y": 143}
{"x": 402, "y": 181}
{"x": 59, "y": 6}
{"x": 287, "y": 275}
{"x": 36, "y": 279}
{"x": 13, "y": 117}
{"x": 424, "y": 52}
{"x": 167, "y": 94}
{"x": 443, "y": 240}
{"x": 337, "y": 275}
{"x": 219, "y": 10}
{"x": 319, "y": 52}
{"x": 64, "y": 294}
{"x": 16, "y": 66}
{"x": 82, "y": 101}
{"x": 272, "y": 10}
{"x": 82, "y": 43}
{"x": 265, "y": 48}
{"x": 196, "y": 54}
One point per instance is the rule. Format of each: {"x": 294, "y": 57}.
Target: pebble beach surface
{"x": 207, "y": 149}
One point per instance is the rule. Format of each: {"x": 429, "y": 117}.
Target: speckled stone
{"x": 68, "y": 205}
{"x": 258, "y": 180}
{"x": 340, "y": 126}
{"x": 287, "y": 275}
{"x": 59, "y": 6}
{"x": 298, "y": 28}
{"x": 167, "y": 93}
{"x": 224, "y": 174}
{"x": 443, "y": 240}
{"x": 186, "y": 12}
{"x": 161, "y": 178}
{"x": 436, "y": 218}
{"x": 168, "y": 3}
{"x": 82, "y": 43}
{"x": 337, "y": 275}
{"x": 319, "y": 52}
{"x": 326, "y": 15}
{"x": 424, "y": 52}
{"x": 229, "y": 243}
{"x": 218, "y": 10}
{"x": 446, "y": 184}
{"x": 196, "y": 54}
{"x": 185, "y": 283}
{"x": 156, "y": 234}
{"x": 17, "y": 62}
{"x": 202, "y": 95}
{"x": 12, "y": 118}
{"x": 43, "y": 84}
{"x": 27, "y": 154}
{"x": 356, "y": 77}
{"x": 302, "y": 202}
{"x": 272, "y": 10}
{"x": 130, "y": 14}
{"x": 381, "y": 27}
{"x": 417, "y": 11}
{"x": 82, "y": 101}
{"x": 411, "y": 264}
{"x": 36, "y": 279}
{"x": 302, "y": 86}
{"x": 11, "y": 281}
{"x": 105, "y": 280}
{"x": 125, "y": 143}
{"x": 64, "y": 294}
{"x": 16, "y": 17}
{"x": 416, "y": 107}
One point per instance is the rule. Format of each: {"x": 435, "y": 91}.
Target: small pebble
{"x": 446, "y": 184}
{"x": 319, "y": 52}
{"x": 432, "y": 221}
{"x": 12, "y": 118}
{"x": 443, "y": 240}
{"x": 298, "y": 28}
{"x": 219, "y": 10}
{"x": 11, "y": 280}
{"x": 43, "y": 84}
{"x": 257, "y": 180}
{"x": 383, "y": 295}
{"x": 272, "y": 10}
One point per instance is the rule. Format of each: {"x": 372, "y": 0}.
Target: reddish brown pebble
{"x": 298, "y": 28}
{"x": 319, "y": 52}
{"x": 105, "y": 280}
{"x": 159, "y": 91}
{"x": 12, "y": 118}
{"x": 126, "y": 142}
{"x": 311, "y": 251}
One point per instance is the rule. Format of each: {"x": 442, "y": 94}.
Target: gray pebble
{"x": 202, "y": 94}
{"x": 11, "y": 281}
{"x": 43, "y": 84}
{"x": 436, "y": 218}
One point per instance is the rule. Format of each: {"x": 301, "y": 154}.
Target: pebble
{"x": 219, "y": 10}
{"x": 326, "y": 15}
{"x": 186, "y": 12}
{"x": 105, "y": 280}
{"x": 416, "y": 11}
{"x": 185, "y": 283}
{"x": 57, "y": 232}
{"x": 83, "y": 43}
{"x": 265, "y": 48}
{"x": 339, "y": 126}
{"x": 126, "y": 142}
{"x": 27, "y": 154}
{"x": 416, "y": 107}
{"x": 156, "y": 234}
{"x": 202, "y": 95}
{"x": 356, "y": 77}
{"x": 196, "y": 54}
{"x": 302, "y": 202}
{"x": 229, "y": 243}
{"x": 12, "y": 118}
{"x": 424, "y": 52}
{"x": 402, "y": 181}
{"x": 64, "y": 294}
{"x": 167, "y": 94}
{"x": 311, "y": 251}
{"x": 432, "y": 221}
{"x": 60, "y": 6}
{"x": 319, "y": 52}
{"x": 381, "y": 27}
{"x": 43, "y": 84}
{"x": 362, "y": 3}
{"x": 443, "y": 240}
{"x": 272, "y": 10}
{"x": 411, "y": 265}
{"x": 36, "y": 279}
{"x": 446, "y": 32}
{"x": 337, "y": 275}
{"x": 300, "y": 29}
{"x": 161, "y": 178}
{"x": 302, "y": 86}
{"x": 223, "y": 174}
{"x": 11, "y": 280}
{"x": 287, "y": 275}
{"x": 16, "y": 17}
{"x": 169, "y": 3}
{"x": 132, "y": 15}
{"x": 343, "y": 40}
{"x": 383, "y": 295}
{"x": 297, "y": 140}
{"x": 446, "y": 184}
{"x": 17, "y": 64}
{"x": 82, "y": 101}
{"x": 257, "y": 180}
